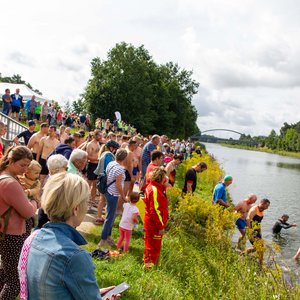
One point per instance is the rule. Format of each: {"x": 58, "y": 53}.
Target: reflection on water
{"x": 269, "y": 176}
{"x": 288, "y": 165}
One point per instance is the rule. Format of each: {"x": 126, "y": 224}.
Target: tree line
{"x": 155, "y": 98}
{"x": 16, "y": 78}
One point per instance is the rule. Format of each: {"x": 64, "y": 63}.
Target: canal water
{"x": 268, "y": 176}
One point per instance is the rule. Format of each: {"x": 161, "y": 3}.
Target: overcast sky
{"x": 245, "y": 54}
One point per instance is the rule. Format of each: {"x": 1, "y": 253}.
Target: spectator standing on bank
{"x": 30, "y": 108}
{"x": 16, "y": 104}
{"x": 14, "y": 208}
{"x": 27, "y": 134}
{"x": 219, "y": 195}
{"x": 6, "y": 102}
{"x": 190, "y": 182}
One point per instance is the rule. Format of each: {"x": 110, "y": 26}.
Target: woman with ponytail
{"x": 15, "y": 208}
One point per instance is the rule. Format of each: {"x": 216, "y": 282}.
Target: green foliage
{"x": 197, "y": 260}
{"x": 155, "y": 98}
{"x": 78, "y": 106}
{"x": 16, "y": 78}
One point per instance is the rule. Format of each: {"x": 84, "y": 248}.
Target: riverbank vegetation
{"x": 197, "y": 259}
{"x": 287, "y": 142}
{"x": 263, "y": 149}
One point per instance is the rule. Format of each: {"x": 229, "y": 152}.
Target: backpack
{"x": 102, "y": 185}
{"x": 6, "y": 215}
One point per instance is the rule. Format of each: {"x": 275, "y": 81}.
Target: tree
{"x": 78, "y": 106}
{"x": 154, "y": 98}
{"x": 16, "y": 78}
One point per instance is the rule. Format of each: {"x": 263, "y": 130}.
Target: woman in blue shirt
{"x": 55, "y": 259}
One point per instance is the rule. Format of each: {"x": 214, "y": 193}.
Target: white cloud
{"x": 245, "y": 54}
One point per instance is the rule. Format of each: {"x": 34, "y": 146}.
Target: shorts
{"x": 241, "y": 224}
{"x": 15, "y": 109}
{"x": 255, "y": 237}
{"x": 43, "y": 163}
{"x": 91, "y": 167}
{"x": 37, "y": 116}
{"x": 127, "y": 176}
{"x": 34, "y": 155}
{"x": 135, "y": 170}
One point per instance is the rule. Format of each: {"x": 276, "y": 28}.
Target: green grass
{"x": 197, "y": 260}
{"x": 264, "y": 149}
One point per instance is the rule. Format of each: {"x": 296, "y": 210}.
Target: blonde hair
{"x": 158, "y": 174}
{"x": 62, "y": 193}
{"x": 34, "y": 164}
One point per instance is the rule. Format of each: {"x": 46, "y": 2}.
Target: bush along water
{"x": 197, "y": 259}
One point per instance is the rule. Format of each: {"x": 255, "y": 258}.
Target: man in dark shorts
{"x": 16, "y": 104}
{"x": 190, "y": 182}
{"x": 26, "y": 135}
{"x": 92, "y": 149}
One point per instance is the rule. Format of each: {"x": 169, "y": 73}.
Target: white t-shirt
{"x": 128, "y": 212}
{"x": 113, "y": 170}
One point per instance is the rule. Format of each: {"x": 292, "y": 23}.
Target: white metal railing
{"x": 13, "y": 128}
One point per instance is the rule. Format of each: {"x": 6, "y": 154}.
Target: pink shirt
{"x": 12, "y": 195}
{"x": 128, "y": 212}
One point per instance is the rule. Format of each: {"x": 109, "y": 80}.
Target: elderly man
{"x": 30, "y": 108}
{"x": 146, "y": 153}
{"x": 219, "y": 195}
{"x": 77, "y": 161}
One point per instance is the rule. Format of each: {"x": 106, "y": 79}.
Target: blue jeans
{"x": 111, "y": 208}
{"x": 6, "y": 108}
{"x": 30, "y": 116}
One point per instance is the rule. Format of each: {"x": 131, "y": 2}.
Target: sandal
{"x": 99, "y": 221}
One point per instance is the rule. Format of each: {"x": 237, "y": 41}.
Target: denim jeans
{"x": 111, "y": 208}
{"x": 30, "y": 116}
{"x": 6, "y": 108}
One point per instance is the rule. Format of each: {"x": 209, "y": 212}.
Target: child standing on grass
{"x": 129, "y": 218}
{"x": 32, "y": 187}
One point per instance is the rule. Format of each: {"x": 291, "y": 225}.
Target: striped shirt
{"x": 113, "y": 170}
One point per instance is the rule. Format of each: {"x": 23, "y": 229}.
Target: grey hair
{"x": 57, "y": 163}
{"x": 77, "y": 154}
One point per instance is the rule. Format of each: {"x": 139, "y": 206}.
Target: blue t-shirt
{"x": 219, "y": 192}
{"x": 146, "y": 154}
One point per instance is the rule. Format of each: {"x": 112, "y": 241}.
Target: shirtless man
{"x": 137, "y": 161}
{"x": 92, "y": 149}
{"x": 33, "y": 143}
{"x": 243, "y": 208}
{"x": 254, "y": 219}
{"x": 46, "y": 146}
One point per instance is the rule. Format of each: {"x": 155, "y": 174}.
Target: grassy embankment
{"x": 197, "y": 260}
{"x": 263, "y": 149}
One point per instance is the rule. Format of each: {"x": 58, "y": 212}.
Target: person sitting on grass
{"x": 282, "y": 223}
{"x": 51, "y": 262}
{"x": 129, "y": 218}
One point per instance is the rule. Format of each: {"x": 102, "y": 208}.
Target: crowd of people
{"x": 57, "y": 173}
{"x": 107, "y": 170}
